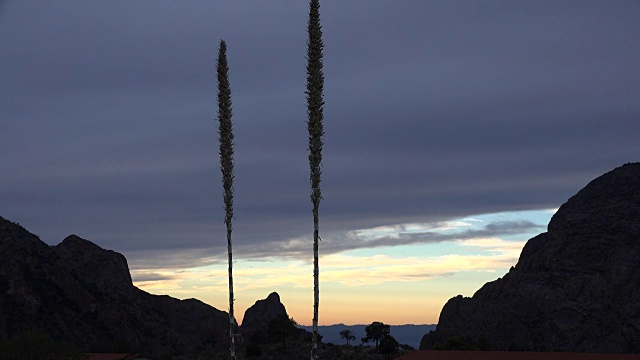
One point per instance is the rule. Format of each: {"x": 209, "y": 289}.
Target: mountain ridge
{"x": 575, "y": 287}
{"x": 77, "y": 292}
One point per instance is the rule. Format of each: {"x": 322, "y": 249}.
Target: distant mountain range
{"x": 405, "y": 334}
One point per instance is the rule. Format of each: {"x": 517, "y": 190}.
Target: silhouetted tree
{"x": 315, "y": 103}
{"x": 225, "y": 132}
{"x": 280, "y": 328}
{"x": 388, "y": 346}
{"x": 376, "y": 332}
{"x": 347, "y": 335}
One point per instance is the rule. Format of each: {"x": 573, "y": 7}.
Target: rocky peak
{"x": 588, "y": 230}
{"x": 90, "y": 263}
{"x": 574, "y": 288}
{"x": 273, "y": 298}
{"x": 610, "y": 202}
{"x": 15, "y": 238}
{"x": 82, "y": 294}
{"x": 74, "y": 241}
{"x": 258, "y": 316}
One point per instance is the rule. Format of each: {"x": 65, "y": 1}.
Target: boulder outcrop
{"x": 80, "y": 293}
{"x": 258, "y": 318}
{"x": 575, "y": 287}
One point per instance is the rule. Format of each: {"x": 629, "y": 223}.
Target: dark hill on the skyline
{"x": 83, "y": 294}
{"x": 80, "y": 293}
{"x": 574, "y": 288}
{"x": 258, "y": 318}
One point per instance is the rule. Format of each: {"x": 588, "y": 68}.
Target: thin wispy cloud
{"x": 392, "y": 236}
{"x": 459, "y": 231}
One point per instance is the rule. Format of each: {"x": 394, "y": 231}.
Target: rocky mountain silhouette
{"x": 575, "y": 287}
{"x": 80, "y": 293}
{"x": 258, "y": 317}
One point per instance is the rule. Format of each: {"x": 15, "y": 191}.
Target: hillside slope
{"x": 574, "y": 288}
{"x": 83, "y": 294}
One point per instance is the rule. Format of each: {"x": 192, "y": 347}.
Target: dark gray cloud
{"x": 434, "y": 110}
{"x": 151, "y": 276}
{"x": 335, "y": 243}
{"x": 332, "y": 243}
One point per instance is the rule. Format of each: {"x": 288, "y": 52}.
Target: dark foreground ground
{"x": 509, "y": 355}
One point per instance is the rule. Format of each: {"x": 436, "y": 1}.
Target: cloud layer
{"x": 434, "y": 111}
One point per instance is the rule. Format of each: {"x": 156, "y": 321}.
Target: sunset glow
{"x": 396, "y": 284}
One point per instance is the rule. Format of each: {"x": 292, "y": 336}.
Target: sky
{"x": 453, "y": 131}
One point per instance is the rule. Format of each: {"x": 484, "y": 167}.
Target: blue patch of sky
{"x": 476, "y": 222}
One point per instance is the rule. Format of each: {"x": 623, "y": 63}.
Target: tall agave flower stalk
{"x": 225, "y": 132}
{"x": 315, "y": 103}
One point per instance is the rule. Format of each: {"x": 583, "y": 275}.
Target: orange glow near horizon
{"x": 354, "y": 290}
{"x": 406, "y": 284}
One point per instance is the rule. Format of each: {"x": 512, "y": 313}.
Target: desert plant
{"x": 280, "y": 328}
{"x": 315, "y": 103}
{"x": 225, "y": 132}
{"x": 347, "y": 335}
{"x": 388, "y": 346}
{"x": 376, "y": 332}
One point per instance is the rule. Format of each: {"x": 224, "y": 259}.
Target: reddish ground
{"x": 509, "y": 355}
{"x": 104, "y": 356}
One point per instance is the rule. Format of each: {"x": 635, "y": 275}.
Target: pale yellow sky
{"x": 395, "y": 287}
